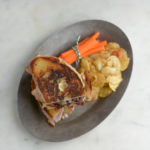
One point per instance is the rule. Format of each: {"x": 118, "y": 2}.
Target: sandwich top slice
{"x": 56, "y": 81}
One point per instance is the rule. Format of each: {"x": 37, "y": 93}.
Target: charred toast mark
{"x": 47, "y": 71}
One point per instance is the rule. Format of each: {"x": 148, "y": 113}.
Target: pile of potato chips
{"x": 105, "y": 69}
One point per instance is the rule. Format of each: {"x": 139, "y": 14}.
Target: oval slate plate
{"x": 91, "y": 114}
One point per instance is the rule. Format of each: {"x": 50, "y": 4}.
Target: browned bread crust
{"x": 47, "y": 70}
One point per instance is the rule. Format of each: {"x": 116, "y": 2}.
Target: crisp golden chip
{"x": 97, "y": 79}
{"x": 112, "y": 45}
{"x": 123, "y": 57}
{"x": 112, "y": 66}
{"x": 104, "y": 55}
{"x": 95, "y": 92}
{"x": 124, "y": 63}
{"x": 93, "y": 68}
{"x": 86, "y": 63}
{"x": 104, "y": 92}
{"x": 114, "y": 81}
{"x": 98, "y": 64}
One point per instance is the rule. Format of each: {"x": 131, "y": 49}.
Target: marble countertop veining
{"x": 24, "y": 24}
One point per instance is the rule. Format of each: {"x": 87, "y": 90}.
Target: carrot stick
{"x": 96, "y": 35}
{"x": 73, "y": 58}
{"x": 88, "y": 45}
{"x": 103, "y": 43}
{"x": 99, "y": 49}
{"x": 88, "y": 39}
{"x": 73, "y": 54}
{"x": 71, "y": 50}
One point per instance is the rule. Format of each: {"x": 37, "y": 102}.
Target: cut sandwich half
{"x": 55, "y": 80}
{"x": 57, "y": 86}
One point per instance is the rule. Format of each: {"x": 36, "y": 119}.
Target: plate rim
{"x": 131, "y": 65}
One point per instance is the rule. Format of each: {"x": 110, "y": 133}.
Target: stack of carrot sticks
{"x": 88, "y": 46}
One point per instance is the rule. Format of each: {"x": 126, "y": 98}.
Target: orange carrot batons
{"x": 86, "y": 47}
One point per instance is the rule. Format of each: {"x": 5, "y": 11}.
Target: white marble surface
{"x": 24, "y": 24}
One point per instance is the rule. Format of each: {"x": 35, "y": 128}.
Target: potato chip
{"x": 124, "y": 63}
{"x": 113, "y": 61}
{"x": 97, "y": 79}
{"x": 109, "y": 71}
{"x": 123, "y": 57}
{"x": 95, "y": 92}
{"x": 114, "y": 81}
{"x": 112, "y": 45}
{"x": 86, "y": 63}
{"x": 105, "y": 91}
{"x": 98, "y": 64}
{"x": 93, "y": 68}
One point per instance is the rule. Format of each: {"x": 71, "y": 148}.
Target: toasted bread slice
{"x": 55, "y": 79}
